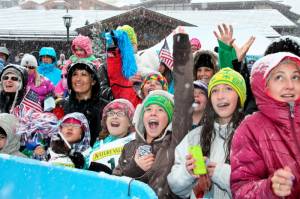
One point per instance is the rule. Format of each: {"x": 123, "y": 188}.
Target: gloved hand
{"x": 77, "y": 158}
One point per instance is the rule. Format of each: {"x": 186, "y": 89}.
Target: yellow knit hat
{"x": 232, "y": 78}
{"x": 130, "y": 32}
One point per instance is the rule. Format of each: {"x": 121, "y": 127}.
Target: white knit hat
{"x": 29, "y": 60}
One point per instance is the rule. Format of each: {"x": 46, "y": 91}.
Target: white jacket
{"x": 182, "y": 183}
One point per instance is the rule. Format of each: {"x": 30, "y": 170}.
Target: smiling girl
{"x": 266, "y": 147}
{"x": 227, "y": 94}
{"x": 116, "y": 131}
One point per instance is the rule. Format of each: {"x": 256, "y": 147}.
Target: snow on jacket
{"x": 266, "y": 140}
{"x": 46, "y": 87}
{"x": 179, "y": 179}
{"x": 163, "y": 147}
{"x": 9, "y": 123}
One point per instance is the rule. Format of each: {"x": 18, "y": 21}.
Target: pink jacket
{"x": 266, "y": 140}
{"x": 46, "y": 87}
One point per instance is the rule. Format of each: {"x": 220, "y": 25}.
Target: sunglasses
{"x": 13, "y": 78}
{"x": 30, "y": 67}
{"x": 63, "y": 75}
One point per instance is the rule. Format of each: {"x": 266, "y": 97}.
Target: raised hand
{"x": 242, "y": 51}
{"x": 225, "y": 34}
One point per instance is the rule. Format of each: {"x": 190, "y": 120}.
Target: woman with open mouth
{"x": 226, "y": 97}
{"x": 266, "y": 146}
{"x": 12, "y": 87}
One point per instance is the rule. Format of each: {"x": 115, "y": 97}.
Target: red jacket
{"x": 266, "y": 140}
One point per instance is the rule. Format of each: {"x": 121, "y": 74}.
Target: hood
{"x": 84, "y": 43}
{"x": 49, "y": 51}
{"x": 213, "y": 61}
{"x": 85, "y": 141}
{"x": 9, "y": 123}
{"x": 24, "y": 76}
{"x": 277, "y": 111}
{"x": 91, "y": 68}
{"x": 139, "y": 114}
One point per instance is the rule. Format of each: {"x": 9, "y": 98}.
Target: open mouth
{"x": 223, "y": 105}
{"x": 153, "y": 123}
{"x": 288, "y": 96}
{"x": 115, "y": 124}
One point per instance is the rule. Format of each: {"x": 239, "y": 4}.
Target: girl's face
{"x": 155, "y": 121}
{"x": 10, "y": 83}
{"x": 200, "y": 99}
{"x": 284, "y": 82}
{"x": 204, "y": 74}
{"x": 224, "y": 100}
{"x": 72, "y": 132}
{"x": 47, "y": 59}
{"x": 3, "y": 139}
{"x": 151, "y": 85}
{"x": 82, "y": 83}
{"x": 117, "y": 123}
{"x": 79, "y": 52}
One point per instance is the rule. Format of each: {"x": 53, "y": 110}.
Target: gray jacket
{"x": 9, "y": 123}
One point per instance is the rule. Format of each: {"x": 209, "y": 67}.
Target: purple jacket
{"x": 46, "y": 87}
{"x": 266, "y": 140}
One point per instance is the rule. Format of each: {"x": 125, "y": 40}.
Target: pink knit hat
{"x": 195, "y": 42}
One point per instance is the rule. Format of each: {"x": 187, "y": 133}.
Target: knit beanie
{"x": 158, "y": 77}
{"x": 29, "y": 60}
{"x": 123, "y": 105}
{"x": 232, "y": 78}
{"x": 195, "y": 42}
{"x": 201, "y": 85}
{"x": 204, "y": 60}
{"x": 161, "y": 101}
{"x": 130, "y": 32}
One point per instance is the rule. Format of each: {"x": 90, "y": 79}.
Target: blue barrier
{"x": 25, "y": 178}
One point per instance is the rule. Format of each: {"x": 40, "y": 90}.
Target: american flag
{"x": 31, "y": 101}
{"x": 165, "y": 55}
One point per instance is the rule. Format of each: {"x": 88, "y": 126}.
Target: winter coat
{"x": 213, "y": 60}
{"x": 9, "y": 123}
{"x": 50, "y": 71}
{"x": 267, "y": 140}
{"x": 7, "y": 99}
{"x": 220, "y": 179}
{"x": 60, "y": 156}
{"x": 45, "y": 88}
{"x": 164, "y": 146}
{"x": 92, "y": 108}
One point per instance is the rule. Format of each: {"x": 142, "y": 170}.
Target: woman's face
{"x": 224, "y": 100}
{"x": 47, "y": 59}
{"x": 30, "y": 69}
{"x": 204, "y": 74}
{"x": 3, "y": 139}
{"x": 10, "y": 83}
{"x": 151, "y": 85}
{"x": 117, "y": 123}
{"x": 72, "y": 132}
{"x": 284, "y": 82}
{"x": 155, "y": 121}
{"x": 82, "y": 83}
{"x": 200, "y": 99}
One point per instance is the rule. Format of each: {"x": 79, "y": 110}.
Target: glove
{"x": 77, "y": 158}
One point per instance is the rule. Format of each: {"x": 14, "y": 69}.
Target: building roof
{"x": 260, "y": 20}
{"x": 50, "y": 22}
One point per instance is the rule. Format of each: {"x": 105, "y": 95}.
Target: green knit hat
{"x": 161, "y": 101}
{"x": 232, "y": 78}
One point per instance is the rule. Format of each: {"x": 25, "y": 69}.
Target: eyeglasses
{"x": 67, "y": 125}
{"x": 118, "y": 114}
{"x": 30, "y": 67}
{"x": 13, "y": 78}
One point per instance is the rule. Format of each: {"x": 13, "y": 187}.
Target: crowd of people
{"x": 126, "y": 120}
